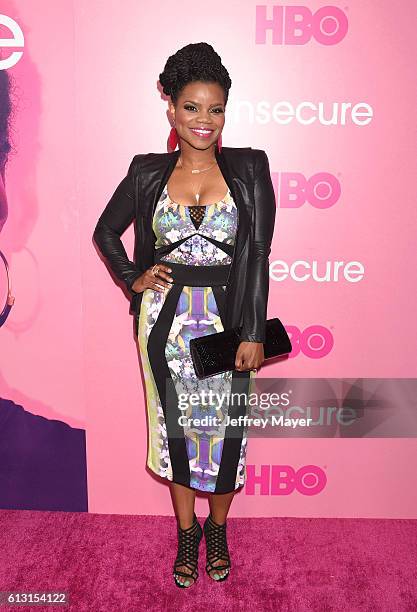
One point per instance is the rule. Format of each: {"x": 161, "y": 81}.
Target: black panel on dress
{"x": 197, "y": 213}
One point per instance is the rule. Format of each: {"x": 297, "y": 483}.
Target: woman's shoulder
{"x": 149, "y": 160}
{"x": 249, "y": 152}
{"x": 255, "y": 157}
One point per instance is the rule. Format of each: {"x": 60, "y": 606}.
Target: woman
{"x": 204, "y": 217}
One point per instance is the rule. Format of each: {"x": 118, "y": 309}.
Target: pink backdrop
{"x": 87, "y": 100}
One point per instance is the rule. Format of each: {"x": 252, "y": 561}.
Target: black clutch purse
{"x": 216, "y": 353}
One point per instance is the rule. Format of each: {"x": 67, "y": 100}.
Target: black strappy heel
{"x": 216, "y": 548}
{"x": 188, "y": 542}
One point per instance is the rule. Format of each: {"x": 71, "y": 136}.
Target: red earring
{"x": 219, "y": 143}
{"x": 173, "y": 139}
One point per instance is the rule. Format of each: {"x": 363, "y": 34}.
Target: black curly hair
{"x": 194, "y": 62}
{"x": 5, "y": 113}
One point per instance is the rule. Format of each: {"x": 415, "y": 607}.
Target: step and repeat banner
{"x": 328, "y": 91}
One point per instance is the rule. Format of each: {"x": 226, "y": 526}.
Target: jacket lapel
{"x": 231, "y": 166}
{"x": 157, "y": 175}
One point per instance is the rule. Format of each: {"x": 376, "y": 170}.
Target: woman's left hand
{"x": 250, "y": 355}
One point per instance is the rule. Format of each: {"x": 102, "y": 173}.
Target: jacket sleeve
{"x": 257, "y": 282}
{"x": 114, "y": 220}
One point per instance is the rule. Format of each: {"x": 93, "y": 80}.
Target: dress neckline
{"x": 195, "y": 205}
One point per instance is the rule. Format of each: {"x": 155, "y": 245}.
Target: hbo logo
{"x": 284, "y": 480}
{"x": 297, "y": 25}
{"x": 315, "y": 341}
{"x": 322, "y": 190}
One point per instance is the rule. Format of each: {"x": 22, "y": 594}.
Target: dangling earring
{"x": 219, "y": 143}
{"x": 173, "y": 139}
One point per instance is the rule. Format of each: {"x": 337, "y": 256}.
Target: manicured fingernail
{"x": 187, "y": 583}
{"x": 216, "y": 576}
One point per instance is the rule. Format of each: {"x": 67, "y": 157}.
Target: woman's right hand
{"x": 149, "y": 281}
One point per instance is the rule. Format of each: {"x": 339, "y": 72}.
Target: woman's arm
{"x": 257, "y": 282}
{"x": 114, "y": 220}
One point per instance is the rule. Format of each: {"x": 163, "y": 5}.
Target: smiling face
{"x": 199, "y": 114}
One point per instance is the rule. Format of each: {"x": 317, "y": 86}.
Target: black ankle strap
{"x": 217, "y": 525}
{"x": 193, "y": 525}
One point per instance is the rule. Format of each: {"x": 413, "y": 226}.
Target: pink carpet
{"x": 124, "y": 563}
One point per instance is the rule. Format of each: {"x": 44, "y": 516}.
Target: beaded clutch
{"x": 216, "y": 353}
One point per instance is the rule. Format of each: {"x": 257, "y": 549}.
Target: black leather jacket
{"x": 246, "y": 172}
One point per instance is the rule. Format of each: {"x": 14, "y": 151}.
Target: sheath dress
{"x": 197, "y": 243}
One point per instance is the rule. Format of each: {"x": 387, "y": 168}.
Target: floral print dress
{"x": 196, "y": 242}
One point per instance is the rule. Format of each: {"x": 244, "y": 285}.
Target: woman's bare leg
{"x": 183, "y": 499}
{"x": 219, "y": 508}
